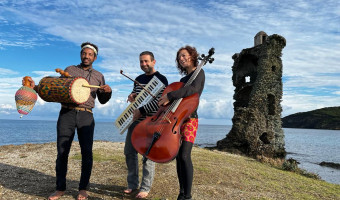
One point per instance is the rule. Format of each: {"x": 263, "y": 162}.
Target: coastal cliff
{"x": 28, "y": 172}
{"x": 324, "y": 118}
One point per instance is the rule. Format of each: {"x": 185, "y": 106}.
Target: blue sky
{"x": 38, "y": 36}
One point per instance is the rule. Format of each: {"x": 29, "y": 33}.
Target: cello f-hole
{"x": 173, "y": 127}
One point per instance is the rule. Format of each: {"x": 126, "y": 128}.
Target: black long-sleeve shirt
{"x": 196, "y": 86}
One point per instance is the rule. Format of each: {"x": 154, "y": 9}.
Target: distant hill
{"x": 324, "y": 118}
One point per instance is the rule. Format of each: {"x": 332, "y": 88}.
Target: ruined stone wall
{"x": 257, "y": 77}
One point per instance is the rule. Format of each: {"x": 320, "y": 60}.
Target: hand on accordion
{"x": 131, "y": 97}
{"x": 136, "y": 114}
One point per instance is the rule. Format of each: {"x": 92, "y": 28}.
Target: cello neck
{"x": 194, "y": 75}
{"x": 204, "y": 59}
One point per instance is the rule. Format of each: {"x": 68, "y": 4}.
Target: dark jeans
{"x": 68, "y": 121}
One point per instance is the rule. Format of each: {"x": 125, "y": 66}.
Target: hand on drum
{"x": 131, "y": 97}
{"x": 31, "y": 82}
{"x": 106, "y": 88}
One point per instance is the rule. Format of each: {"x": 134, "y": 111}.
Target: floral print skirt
{"x": 189, "y": 130}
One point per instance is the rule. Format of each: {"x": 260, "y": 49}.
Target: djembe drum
{"x": 64, "y": 90}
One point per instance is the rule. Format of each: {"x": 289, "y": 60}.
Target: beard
{"x": 147, "y": 69}
{"x": 86, "y": 62}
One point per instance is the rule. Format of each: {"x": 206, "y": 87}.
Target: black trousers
{"x": 68, "y": 121}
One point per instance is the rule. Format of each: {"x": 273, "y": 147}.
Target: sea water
{"x": 308, "y": 146}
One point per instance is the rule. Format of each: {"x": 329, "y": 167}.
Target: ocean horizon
{"x": 308, "y": 146}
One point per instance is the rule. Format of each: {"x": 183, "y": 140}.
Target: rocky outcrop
{"x": 257, "y": 77}
{"x": 330, "y": 164}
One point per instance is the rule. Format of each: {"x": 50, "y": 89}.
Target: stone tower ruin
{"x": 257, "y": 77}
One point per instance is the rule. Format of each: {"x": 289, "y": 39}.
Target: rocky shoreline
{"x": 330, "y": 164}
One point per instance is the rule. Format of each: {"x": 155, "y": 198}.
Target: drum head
{"x": 79, "y": 93}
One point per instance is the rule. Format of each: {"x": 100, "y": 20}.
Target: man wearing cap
{"x": 74, "y": 116}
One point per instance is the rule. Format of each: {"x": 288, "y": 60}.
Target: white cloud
{"x": 6, "y": 72}
{"x": 6, "y": 106}
{"x": 294, "y": 103}
{"x": 122, "y": 29}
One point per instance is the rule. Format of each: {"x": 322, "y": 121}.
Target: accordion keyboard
{"x": 125, "y": 119}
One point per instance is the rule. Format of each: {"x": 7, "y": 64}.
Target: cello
{"x": 158, "y": 137}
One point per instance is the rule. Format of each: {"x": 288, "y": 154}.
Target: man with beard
{"x": 147, "y": 63}
{"x": 74, "y": 116}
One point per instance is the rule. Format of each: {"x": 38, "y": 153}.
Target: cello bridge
{"x": 167, "y": 119}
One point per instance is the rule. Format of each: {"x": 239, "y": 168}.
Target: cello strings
{"x": 168, "y": 113}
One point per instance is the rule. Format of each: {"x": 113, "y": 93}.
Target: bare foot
{"x": 82, "y": 195}
{"x": 56, "y": 195}
{"x": 127, "y": 191}
{"x": 142, "y": 195}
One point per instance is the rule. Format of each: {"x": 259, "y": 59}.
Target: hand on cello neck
{"x": 163, "y": 101}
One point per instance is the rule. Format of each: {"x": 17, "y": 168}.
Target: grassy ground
{"x": 27, "y": 172}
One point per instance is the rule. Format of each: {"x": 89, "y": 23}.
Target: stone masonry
{"x": 257, "y": 77}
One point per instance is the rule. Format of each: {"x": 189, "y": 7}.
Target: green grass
{"x": 220, "y": 175}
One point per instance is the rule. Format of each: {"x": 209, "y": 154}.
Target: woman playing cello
{"x": 187, "y": 62}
